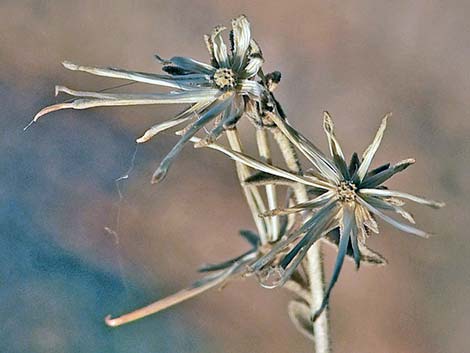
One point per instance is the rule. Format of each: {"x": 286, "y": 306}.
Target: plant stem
{"x": 252, "y": 195}
{"x": 314, "y": 258}
{"x": 265, "y": 154}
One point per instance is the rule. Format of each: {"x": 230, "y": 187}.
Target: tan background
{"x": 61, "y": 273}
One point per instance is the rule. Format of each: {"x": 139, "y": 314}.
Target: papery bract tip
{"x": 159, "y": 175}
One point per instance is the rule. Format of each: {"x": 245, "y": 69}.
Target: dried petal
{"x": 393, "y": 222}
{"x": 370, "y": 151}
{"x": 299, "y": 313}
{"x": 403, "y": 195}
{"x": 241, "y": 40}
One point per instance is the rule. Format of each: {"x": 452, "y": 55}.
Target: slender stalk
{"x": 265, "y": 154}
{"x": 165, "y": 303}
{"x": 252, "y": 195}
{"x": 314, "y": 258}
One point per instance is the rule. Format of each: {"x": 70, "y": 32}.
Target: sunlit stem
{"x": 165, "y": 303}
{"x": 265, "y": 153}
{"x": 315, "y": 262}
{"x": 252, "y": 194}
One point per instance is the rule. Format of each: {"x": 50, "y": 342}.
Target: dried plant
{"x": 334, "y": 201}
{"x": 346, "y": 197}
{"x": 215, "y": 91}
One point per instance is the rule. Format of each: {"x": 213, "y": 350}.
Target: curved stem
{"x": 252, "y": 195}
{"x": 167, "y": 302}
{"x": 314, "y": 258}
{"x": 265, "y": 153}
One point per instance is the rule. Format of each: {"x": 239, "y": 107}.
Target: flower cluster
{"x": 346, "y": 198}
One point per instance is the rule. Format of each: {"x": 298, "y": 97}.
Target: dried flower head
{"x": 349, "y": 198}
{"x": 216, "y": 91}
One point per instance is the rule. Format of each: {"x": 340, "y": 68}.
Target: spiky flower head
{"x": 349, "y": 197}
{"x": 216, "y": 92}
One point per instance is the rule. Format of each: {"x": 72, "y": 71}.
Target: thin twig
{"x": 314, "y": 258}
{"x": 165, "y": 303}
{"x": 252, "y": 195}
{"x": 265, "y": 154}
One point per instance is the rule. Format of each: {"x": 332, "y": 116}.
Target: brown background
{"x": 61, "y": 272}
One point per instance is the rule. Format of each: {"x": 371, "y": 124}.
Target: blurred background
{"x": 61, "y": 272}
